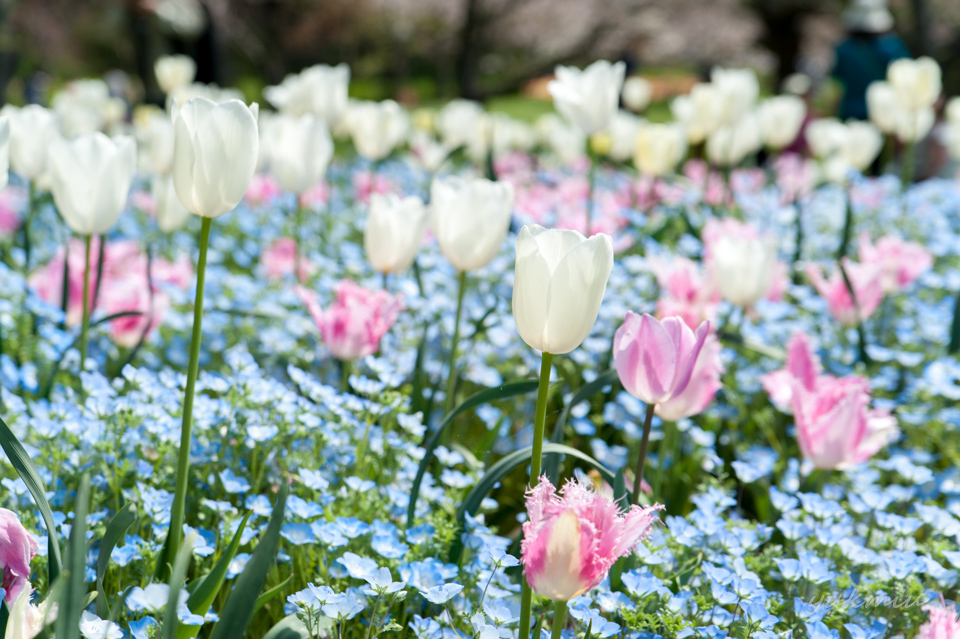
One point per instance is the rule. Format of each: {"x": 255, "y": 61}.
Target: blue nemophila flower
{"x": 502, "y": 611}
{"x": 351, "y": 527}
{"x": 793, "y": 530}
{"x": 859, "y": 632}
{"x": 359, "y": 485}
{"x": 342, "y": 607}
{"x": 237, "y": 564}
{"x": 356, "y": 566}
{"x": 232, "y": 483}
{"x": 143, "y": 628}
{"x": 442, "y": 594}
{"x": 499, "y": 557}
{"x": 313, "y": 479}
{"x": 425, "y": 628}
{"x": 302, "y": 509}
{"x": 590, "y": 617}
{"x": 613, "y": 601}
{"x": 818, "y": 630}
{"x": 809, "y": 612}
{"x": 152, "y": 599}
{"x": 388, "y": 545}
{"x": 382, "y": 583}
{"x": 757, "y": 615}
{"x": 329, "y": 534}
{"x": 298, "y": 534}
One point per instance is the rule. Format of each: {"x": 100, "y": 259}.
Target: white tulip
{"x": 32, "y": 129}
{"x": 377, "y": 127}
{"x": 394, "y": 231}
{"x": 566, "y": 140}
{"x": 739, "y": 89}
{"x": 862, "y": 144}
{"x": 952, "y": 139}
{"x": 623, "y": 135}
{"x": 882, "y": 106}
{"x": 427, "y": 151}
{"x": 701, "y": 112}
{"x": 732, "y": 143}
{"x": 743, "y": 267}
{"x": 4, "y": 151}
{"x": 300, "y": 151}
{"x": 174, "y": 71}
{"x": 470, "y": 218}
{"x": 825, "y": 136}
{"x": 321, "y": 90}
{"x": 559, "y": 281}
{"x": 85, "y": 106}
{"x": 659, "y": 148}
{"x": 457, "y": 122}
{"x": 90, "y": 177}
{"x": 588, "y": 98}
{"x": 916, "y": 82}
{"x": 952, "y": 110}
{"x": 913, "y": 126}
{"x": 171, "y": 215}
{"x": 155, "y": 143}
{"x": 214, "y": 154}
{"x": 636, "y": 93}
{"x": 780, "y": 120}
{"x": 182, "y": 95}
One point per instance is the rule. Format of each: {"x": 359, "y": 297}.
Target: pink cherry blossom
{"x": 704, "y": 384}
{"x": 900, "y": 262}
{"x": 685, "y": 291}
{"x": 571, "y": 540}
{"x": 943, "y": 622}
{"x": 867, "y": 283}
{"x": 655, "y": 359}
{"x": 17, "y": 548}
{"x": 802, "y": 366}
{"x": 835, "y": 426}
{"x": 356, "y": 321}
{"x": 280, "y": 258}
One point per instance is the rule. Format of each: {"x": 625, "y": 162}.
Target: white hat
{"x": 869, "y": 16}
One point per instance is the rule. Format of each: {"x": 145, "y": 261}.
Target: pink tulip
{"x": 802, "y": 366}
{"x": 353, "y": 325}
{"x": 943, "y": 622}
{"x": 900, "y": 262}
{"x": 686, "y": 292}
{"x": 571, "y": 540}
{"x": 654, "y": 359}
{"x": 17, "y": 548}
{"x": 279, "y": 260}
{"x": 316, "y": 196}
{"x": 866, "y": 280}
{"x": 704, "y": 384}
{"x": 795, "y": 175}
{"x": 13, "y": 200}
{"x": 365, "y": 185}
{"x": 131, "y": 294}
{"x": 262, "y": 190}
{"x": 835, "y": 427}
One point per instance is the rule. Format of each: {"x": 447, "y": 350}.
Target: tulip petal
{"x": 531, "y": 288}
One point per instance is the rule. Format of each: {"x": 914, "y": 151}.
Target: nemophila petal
{"x": 143, "y": 628}
{"x": 357, "y": 567}
{"x": 298, "y": 534}
{"x": 342, "y": 607}
{"x": 442, "y": 594}
{"x": 237, "y": 564}
{"x": 359, "y": 485}
{"x": 232, "y": 483}
{"x": 388, "y": 546}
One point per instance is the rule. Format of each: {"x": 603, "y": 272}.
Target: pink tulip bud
{"x": 654, "y": 359}
{"x": 353, "y": 325}
{"x": 571, "y": 540}
{"x": 280, "y": 258}
{"x": 900, "y": 262}
{"x": 17, "y": 548}
{"x": 704, "y": 384}
{"x": 802, "y": 366}
{"x": 866, "y": 281}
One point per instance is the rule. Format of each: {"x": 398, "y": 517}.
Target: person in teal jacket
{"x": 863, "y": 57}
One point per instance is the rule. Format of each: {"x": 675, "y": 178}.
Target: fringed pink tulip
{"x": 685, "y": 291}
{"x": 354, "y": 324}
{"x": 704, "y": 384}
{"x": 900, "y": 262}
{"x": 17, "y": 548}
{"x": 571, "y": 540}
{"x": 835, "y": 426}
{"x": 655, "y": 359}
{"x": 802, "y": 366}
{"x": 943, "y": 622}
{"x": 867, "y": 283}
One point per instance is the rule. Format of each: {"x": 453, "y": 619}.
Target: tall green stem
{"x": 183, "y": 462}
{"x": 847, "y": 229}
{"x": 559, "y": 618}
{"x": 85, "y": 321}
{"x": 590, "y": 185}
{"x": 907, "y": 165}
{"x": 642, "y": 458}
{"x": 536, "y": 463}
{"x": 452, "y": 363}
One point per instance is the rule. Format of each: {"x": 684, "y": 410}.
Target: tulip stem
{"x": 559, "y": 618}
{"x": 590, "y": 180}
{"x": 536, "y": 461}
{"x": 85, "y": 320}
{"x": 847, "y": 229}
{"x": 452, "y": 363}
{"x": 642, "y": 458}
{"x": 907, "y": 168}
{"x": 175, "y": 535}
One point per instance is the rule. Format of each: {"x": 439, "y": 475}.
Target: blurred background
{"x": 422, "y": 52}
